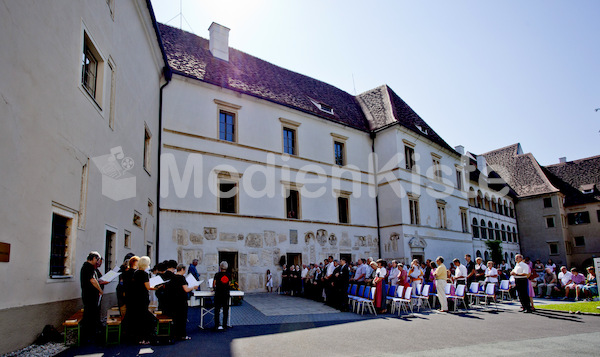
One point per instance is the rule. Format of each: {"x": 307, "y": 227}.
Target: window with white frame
{"x": 62, "y": 241}
{"x": 464, "y": 219}
{"x": 413, "y": 207}
{"x": 441, "y": 206}
{"x": 437, "y": 166}
{"x": 92, "y": 70}
{"x": 293, "y": 208}
{"x": 227, "y": 113}
{"x": 228, "y": 192}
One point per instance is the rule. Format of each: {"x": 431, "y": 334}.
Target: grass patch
{"x": 576, "y": 306}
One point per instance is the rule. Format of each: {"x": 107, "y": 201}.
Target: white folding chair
{"x": 369, "y": 301}
{"x": 459, "y": 295}
{"x": 396, "y": 299}
{"x": 490, "y": 293}
{"x": 504, "y": 289}
{"x": 405, "y": 303}
{"x": 424, "y": 297}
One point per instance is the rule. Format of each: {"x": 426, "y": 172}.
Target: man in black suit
{"x": 342, "y": 281}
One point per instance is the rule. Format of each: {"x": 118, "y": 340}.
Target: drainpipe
{"x": 168, "y": 76}
{"x": 373, "y": 135}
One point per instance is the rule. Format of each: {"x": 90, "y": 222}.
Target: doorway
{"x": 346, "y": 256}
{"x": 419, "y": 257}
{"x": 294, "y": 258}
{"x": 232, "y": 260}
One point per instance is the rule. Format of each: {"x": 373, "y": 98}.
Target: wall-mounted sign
{"x": 4, "y": 252}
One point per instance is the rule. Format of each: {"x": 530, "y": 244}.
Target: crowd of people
{"x": 134, "y": 294}
{"x": 328, "y": 281}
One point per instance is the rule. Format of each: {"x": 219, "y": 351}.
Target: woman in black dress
{"x": 141, "y": 321}
{"x": 178, "y": 291}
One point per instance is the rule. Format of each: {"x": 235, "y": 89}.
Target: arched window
{"x": 515, "y": 235}
{"x": 472, "y": 197}
{"x": 486, "y": 202}
{"x": 486, "y": 256}
{"x": 478, "y": 253}
{"x": 490, "y": 231}
{"x": 505, "y": 256}
{"x": 512, "y": 210}
{"x": 497, "y": 229}
{"x": 483, "y": 230}
{"x": 475, "y": 228}
{"x": 479, "y": 199}
{"x": 503, "y": 232}
{"x": 505, "y": 208}
{"x": 494, "y": 206}
{"x": 509, "y": 234}
{"x": 512, "y": 259}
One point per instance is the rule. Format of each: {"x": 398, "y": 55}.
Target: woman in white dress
{"x": 269, "y": 279}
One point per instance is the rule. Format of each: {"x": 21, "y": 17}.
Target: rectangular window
{"x": 109, "y": 250}
{"x": 59, "y": 244}
{"x": 127, "y": 239}
{"x": 147, "y": 149}
{"x": 579, "y": 241}
{"x": 409, "y": 156}
{"x": 228, "y": 193}
{"x": 413, "y": 205}
{"x": 578, "y": 218}
{"x": 549, "y": 222}
{"x": 442, "y": 215}
{"x": 547, "y": 202}
{"x": 149, "y": 250}
{"x": 437, "y": 168}
{"x": 289, "y": 141}
{"x": 111, "y": 110}
{"x": 226, "y": 126}
{"x": 553, "y": 248}
{"x": 151, "y": 208}
{"x": 339, "y": 153}
{"x": 137, "y": 219}
{"x": 83, "y": 195}
{"x": 89, "y": 71}
{"x": 292, "y": 204}
{"x": 459, "y": 180}
{"x": 343, "y": 210}
{"x": 464, "y": 220}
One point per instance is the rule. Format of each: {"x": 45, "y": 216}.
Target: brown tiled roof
{"x": 384, "y": 107}
{"x": 189, "y": 55}
{"x": 521, "y": 171}
{"x": 573, "y": 176}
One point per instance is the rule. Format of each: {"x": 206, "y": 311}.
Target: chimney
{"x": 562, "y": 160}
{"x": 460, "y": 149}
{"x": 482, "y": 165}
{"x": 219, "y": 41}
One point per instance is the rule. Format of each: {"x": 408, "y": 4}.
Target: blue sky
{"x": 483, "y": 74}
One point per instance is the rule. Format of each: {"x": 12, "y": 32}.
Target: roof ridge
{"x": 503, "y": 148}
{"x": 576, "y": 161}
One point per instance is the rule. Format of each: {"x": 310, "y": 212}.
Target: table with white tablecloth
{"x": 209, "y": 294}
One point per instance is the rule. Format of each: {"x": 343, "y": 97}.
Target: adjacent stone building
{"x": 557, "y": 205}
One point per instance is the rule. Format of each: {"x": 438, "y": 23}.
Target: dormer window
{"x": 587, "y": 189}
{"x": 322, "y": 106}
{"x": 424, "y": 131}
{"x": 326, "y": 108}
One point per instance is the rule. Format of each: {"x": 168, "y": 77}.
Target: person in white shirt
{"x": 304, "y": 277}
{"x": 564, "y": 276}
{"x": 460, "y": 277}
{"x": 521, "y": 273}
{"x": 491, "y": 273}
{"x": 369, "y": 270}
{"x": 361, "y": 270}
{"x": 393, "y": 276}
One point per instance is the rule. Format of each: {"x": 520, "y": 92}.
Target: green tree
{"x": 495, "y": 249}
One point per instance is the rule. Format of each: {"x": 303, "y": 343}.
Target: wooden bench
{"x": 163, "y": 324}
{"x": 113, "y": 328}
{"x": 73, "y": 323}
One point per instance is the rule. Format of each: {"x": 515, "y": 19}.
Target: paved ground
{"x": 272, "y": 325}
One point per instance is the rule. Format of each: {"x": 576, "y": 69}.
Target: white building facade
{"x": 78, "y": 137}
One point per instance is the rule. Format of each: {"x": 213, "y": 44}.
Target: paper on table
{"x": 157, "y": 280}
{"x": 192, "y": 282}
{"x": 110, "y": 276}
